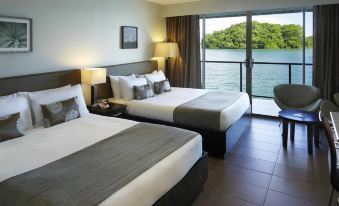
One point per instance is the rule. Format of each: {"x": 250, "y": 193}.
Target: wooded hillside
{"x": 265, "y": 36}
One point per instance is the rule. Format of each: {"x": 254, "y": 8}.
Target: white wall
{"x": 221, "y": 6}
{"x": 81, "y": 33}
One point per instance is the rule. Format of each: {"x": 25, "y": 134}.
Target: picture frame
{"x": 15, "y": 35}
{"x": 129, "y": 37}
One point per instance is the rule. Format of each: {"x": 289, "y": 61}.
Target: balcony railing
{"x": 289, "y": 66}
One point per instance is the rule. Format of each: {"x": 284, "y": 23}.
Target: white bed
{"x": 42, "y": 146}
{"x": 161, "y": 107}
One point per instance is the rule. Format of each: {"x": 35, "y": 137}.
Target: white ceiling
{"x": 166, "y": 2}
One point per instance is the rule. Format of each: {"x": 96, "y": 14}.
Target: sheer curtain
{"x": 326, "y": 49}
{"x": 185, "y": 71}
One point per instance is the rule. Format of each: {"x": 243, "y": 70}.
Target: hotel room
{"x": 169, "y": 102}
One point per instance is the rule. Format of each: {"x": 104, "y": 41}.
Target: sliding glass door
{"x": 256, "y": 51}
{"x": 223, "y": 52}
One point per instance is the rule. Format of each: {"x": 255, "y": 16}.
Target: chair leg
{"x": 331, "y": 197}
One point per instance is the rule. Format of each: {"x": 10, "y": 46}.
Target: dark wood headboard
{"x": 105, "y": 90}
{"x": 132, "y": 68}
{"x": 36, "y": 82}
{"x": 42, "y": 81}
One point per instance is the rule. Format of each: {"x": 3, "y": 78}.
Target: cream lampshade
{"x": 166, "y": 50}
{"x": 93, "y": 76}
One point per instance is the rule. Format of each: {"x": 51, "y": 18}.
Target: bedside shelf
{"x": 114, "y": 110}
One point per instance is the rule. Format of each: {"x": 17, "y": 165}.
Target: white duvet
{"x": 161, "y": 107}
{"x": 42, "y": 146}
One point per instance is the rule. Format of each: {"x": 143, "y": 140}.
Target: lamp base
{"x": 167, "y": 65}
{"x": 93, "y": 95}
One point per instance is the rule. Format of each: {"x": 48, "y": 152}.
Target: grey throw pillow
{"x": 59, "y": 112}
{"x": 143, "y": 92}
{"x": 9, "y": 127}
{"x": 162, "y": 86}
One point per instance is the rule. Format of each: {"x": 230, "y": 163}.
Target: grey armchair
{"x": 298, "y": 97}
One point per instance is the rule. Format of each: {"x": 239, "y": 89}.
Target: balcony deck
{"x": 265, "y": 107}
{"x": 263, "y": 104}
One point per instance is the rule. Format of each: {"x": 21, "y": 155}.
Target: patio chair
{"x": 297, "y": 97}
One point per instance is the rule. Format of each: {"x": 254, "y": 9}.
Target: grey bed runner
{"x": 204, "y": 111}
{"x": 91, "y": 175}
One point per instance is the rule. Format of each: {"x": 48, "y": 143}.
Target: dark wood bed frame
{"x": 183, "y": 193}
{"x": 216, "y": 143}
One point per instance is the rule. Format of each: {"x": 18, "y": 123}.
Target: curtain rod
{"x": 258, "y": 12}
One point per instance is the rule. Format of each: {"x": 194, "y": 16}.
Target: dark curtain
{"x": 326, "y": 49}
{"x": 185, "y": 71}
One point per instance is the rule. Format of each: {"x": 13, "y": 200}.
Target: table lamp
{"x": 166, "y": 50}
{"x": 93, "y": 76}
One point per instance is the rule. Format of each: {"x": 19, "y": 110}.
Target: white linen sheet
{"x": 42, "y": 146}
{"x": 161, "y": 107}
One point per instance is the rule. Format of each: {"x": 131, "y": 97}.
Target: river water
{"x": 265, "y": 77}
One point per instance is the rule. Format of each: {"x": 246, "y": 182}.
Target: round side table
{"x": 307, "y": 118}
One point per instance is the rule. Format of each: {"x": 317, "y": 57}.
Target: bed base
{"x": 216, "y": 143}
{"x": 188, "y": 189}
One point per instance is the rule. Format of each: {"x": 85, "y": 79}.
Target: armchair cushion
{"x": 313, "y": 107}
{"x": 296, "y": 95}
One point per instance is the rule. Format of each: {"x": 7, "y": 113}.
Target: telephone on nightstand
{"x": 103, "y": 104}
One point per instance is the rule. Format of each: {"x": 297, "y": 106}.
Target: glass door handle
{"x": 249, "y": 63}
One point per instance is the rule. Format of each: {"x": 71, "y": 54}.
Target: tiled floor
{"x": 265, "y": 107}
{"x": 260, "y": 172}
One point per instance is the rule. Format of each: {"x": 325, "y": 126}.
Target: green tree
{"x": 292, "y": 35}
{"x": 230, "y": 38}
{"x": 265, "y": 36}
{"x": 309, "y": 41}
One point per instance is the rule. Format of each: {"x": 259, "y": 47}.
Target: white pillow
{"x": 155, "y": 76}
{"x": 116, "y": 86}
{"x": 46, "y": 91}
{"x": 161, "y": 76}
{"x": 13, "y": 104}
{"x": 151, "y": 77}
{"x": 37, "y": 99}
{"x": 126, "y": 86}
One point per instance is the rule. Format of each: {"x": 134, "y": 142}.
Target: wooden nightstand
{"x": 114, "y": 110}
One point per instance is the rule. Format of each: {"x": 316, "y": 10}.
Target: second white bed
{"x": 161, "y": 107}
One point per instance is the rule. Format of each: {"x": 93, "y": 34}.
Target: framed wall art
{"x": 129, "y": 37}
{"x": 15, "y": 34}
